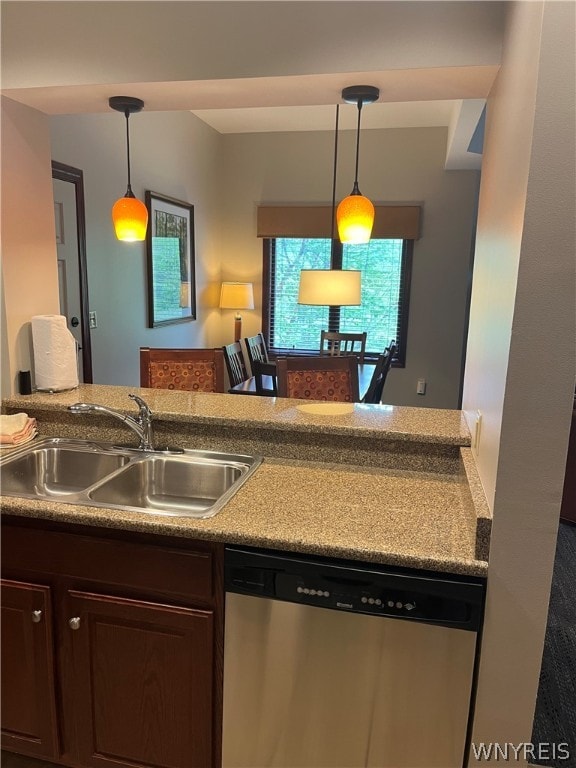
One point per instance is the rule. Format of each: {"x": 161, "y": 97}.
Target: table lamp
{"x": 237, "y": 296}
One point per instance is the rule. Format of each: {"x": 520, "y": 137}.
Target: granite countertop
{"x": 392, "y": 516}
{"x": 433, "y": 425}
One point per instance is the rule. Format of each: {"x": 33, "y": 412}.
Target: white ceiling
{"x": 409, "y": 98}
{"x": 406, "y": 114}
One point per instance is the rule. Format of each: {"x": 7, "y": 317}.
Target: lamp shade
{"x": 236, "y": 296}
{"x": 130, "y": 218}
{"x": 332, "y": 287}
{"x": 355, "y": 217}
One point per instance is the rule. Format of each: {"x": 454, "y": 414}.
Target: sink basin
{"x": 56, "y": 471}
{"x": 190, "y": 483}
{"x": 176, "y": 486}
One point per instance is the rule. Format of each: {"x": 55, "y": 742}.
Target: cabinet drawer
{"x": 156, "y": 569}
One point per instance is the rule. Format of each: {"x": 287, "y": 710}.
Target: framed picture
{"x": 171, "y": 265}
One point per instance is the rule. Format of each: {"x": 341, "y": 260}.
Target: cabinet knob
{"x": 36, "y": 616}
{"x": 74, "y": 623}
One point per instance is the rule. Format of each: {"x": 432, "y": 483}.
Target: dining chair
{"x": 374, "y": 392}
{"x": 334, "y": 343}
{"x": 256, "y": 349}
{"x": 193, "y": 370}
{"x": 235, "y": 363}
{"x": 260, "y": 369}
{"x": 318, "y": 378}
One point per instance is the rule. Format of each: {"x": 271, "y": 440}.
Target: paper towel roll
{"x": 55, "y": 363}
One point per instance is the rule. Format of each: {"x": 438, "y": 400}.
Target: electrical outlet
{"x": 421, "y": 387}
{"x": 477, "y": 431}
{"x": 93, "y": 319}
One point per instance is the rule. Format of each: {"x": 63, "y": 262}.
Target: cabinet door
{"x": 28, "y": 699}
{"x": 143, "y": 682}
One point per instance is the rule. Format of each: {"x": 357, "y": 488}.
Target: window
{"x": 385, "y": 265}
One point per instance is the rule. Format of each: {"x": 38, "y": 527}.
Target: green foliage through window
{"x": 385, "y": 267}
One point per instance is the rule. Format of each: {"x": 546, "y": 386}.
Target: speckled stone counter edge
{"x": 380, "y": 422}
{"x": 256, "y": 440}
{"x": 473, "y": 495}
{"x": 173, "y": 526}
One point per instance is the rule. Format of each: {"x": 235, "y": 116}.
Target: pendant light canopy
{"x": 129, "y": 215}
{"x": 356, "y": 213}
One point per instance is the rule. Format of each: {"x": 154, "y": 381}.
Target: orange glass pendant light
{"x": 129, "y": 215}
{"x": 355, "y": 214}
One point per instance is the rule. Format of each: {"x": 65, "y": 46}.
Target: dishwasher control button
{"x": 378, "y": 601}
{"x": 371, "y": 600}
{"x": 299, "y": 590}
{"x": 390, "y": 603}
{"x": 399, "y": 605}
{"x": 409, "y": 606}
{"x": 364, "y": 600}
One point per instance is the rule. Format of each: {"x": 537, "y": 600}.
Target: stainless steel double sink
{"x": 191, "y": 483}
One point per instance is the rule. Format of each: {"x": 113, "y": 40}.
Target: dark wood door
{"x": 28, "y": 698}
{"x": 142, "y": 682}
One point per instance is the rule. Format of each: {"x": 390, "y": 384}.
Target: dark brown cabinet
{"x": 143, "y": 681}
{"x": 124, "y": 666}
{"x": 28, "y": 701}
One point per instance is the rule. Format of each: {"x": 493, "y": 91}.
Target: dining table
{"x": 248, "y": 387}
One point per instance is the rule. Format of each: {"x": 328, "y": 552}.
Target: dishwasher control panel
{"x": 358, "y": 597}
{"x": 440, "y": 599}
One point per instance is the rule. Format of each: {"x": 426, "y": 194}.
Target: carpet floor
{"x": 555, "y": 718}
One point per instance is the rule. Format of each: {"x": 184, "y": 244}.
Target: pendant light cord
{"x": 357, "y": 146}
{"x": 129, "y": 192}
{"x": 333, "y": 233}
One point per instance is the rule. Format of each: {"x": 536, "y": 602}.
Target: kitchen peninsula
{"x": 115, "y": 617}
{"x": 384, "y": 484}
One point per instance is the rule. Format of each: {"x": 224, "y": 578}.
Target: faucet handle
{"x": 142, "y": 404}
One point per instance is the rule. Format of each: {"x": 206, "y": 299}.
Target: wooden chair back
{"x": 256, "y": 350}
{"x": 259, "y": 369}
{"x": 333, "y": 343}
{"x": 192, "y": 370}
{"x": 318, "y": 378}
{"x": 235, "y": 363}
{"x": 374, "y": 392}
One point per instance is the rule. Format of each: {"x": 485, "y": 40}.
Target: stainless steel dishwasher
{"x": 336, "y": 664}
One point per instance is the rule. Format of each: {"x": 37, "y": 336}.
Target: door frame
{"x": 75, "y": 176}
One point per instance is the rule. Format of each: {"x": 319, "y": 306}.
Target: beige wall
{"x": 29, "y": 273}
{"x": 173, "y": 154}
{"x": 521, "y": 365}
{"x": 171, "y": 41}
{"x": 226, "y": 177}
{"x": 397, "y": 165}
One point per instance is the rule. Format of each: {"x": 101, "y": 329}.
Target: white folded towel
{"x": 9, "y": 425}
{"x": 17, "y": 429}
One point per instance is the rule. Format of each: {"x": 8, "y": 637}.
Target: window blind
{"x": 385, "y": 264}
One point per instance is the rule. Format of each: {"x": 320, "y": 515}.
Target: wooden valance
{"x": 398, "y": 221}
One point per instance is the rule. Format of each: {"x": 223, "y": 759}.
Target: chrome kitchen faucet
{"x": 141, "y": 424}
